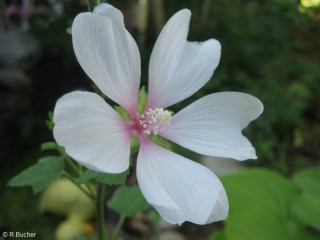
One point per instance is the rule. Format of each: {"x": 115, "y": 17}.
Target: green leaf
{"x": 299, "y": 232}
{"x": 308, "y": 180}
{"x": 258, "y": 198}
{"x": 49, "y": 146}
{"x": 306, "y": 208}
{"x": 260, "y": 188}
{"x": 161, "y": 141}
{"x": 134, "y": 143}
{"x": 258, "y": 223}
{"x": 128, "y": 201}
{"x": 40, "y": 175}
{"x": 142, "y": 99}
{"x": 106, "y": 178}
{"x": 123, "y": 113}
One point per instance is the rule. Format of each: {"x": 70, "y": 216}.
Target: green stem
{"x": 88, "y": 193}
{"x": 92, "y": 4}
{"x": 101, "y": 195}
{"x": 73, "y": 166}
{"x": 118, "y": 227}
{"x": 89, "y": 188}
{"x": 71, "y": 163}
{"x": 76, "y": 169}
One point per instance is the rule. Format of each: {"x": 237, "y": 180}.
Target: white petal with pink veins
{"x": 92, "y": 132}
{"x": 212, "y": 125}
{"x": 108, "y": 54}
{"x": 178, "y": 188}
{"x": 179, "y": 68}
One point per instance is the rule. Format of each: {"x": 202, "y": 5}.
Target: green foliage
{"x": 128, "y": 201}
{"x": 265, "y": 205}
{"x": 263, "y": 188}
{"x": 308, "y": 181}
{"x": 142, "y": 99}
{"x": 40, "y": 175}
{"x": 106, "y": 178}
{"x": 134, "y": 144}
{"x": 49, "y": 146}
{"x": 218, "y": 235}
{"x": 123, "y": 113}
{"x": 161, "y": 141}
{"x": 93, "y": 4}
{"x": 49, "y": 122}
{"x": 306, "y": 207}
{"x": 268, "y": 52}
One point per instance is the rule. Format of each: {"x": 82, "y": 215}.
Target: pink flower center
{"x": 152, "y": 121}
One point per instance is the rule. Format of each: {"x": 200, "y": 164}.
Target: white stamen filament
{"x": 155, "y": 120}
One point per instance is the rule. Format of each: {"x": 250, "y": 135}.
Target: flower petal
{"x": 212, "y": 125}
{"x": 178, "y": 188}
{"x": 92, "y": 132}
{"x": 179, "y": 68}
{"x": 108, "y": 54}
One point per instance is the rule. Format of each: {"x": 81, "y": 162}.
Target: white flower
{"x": 95, "y": 135}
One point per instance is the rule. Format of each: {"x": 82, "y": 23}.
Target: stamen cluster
{"x": 155, "y": 120}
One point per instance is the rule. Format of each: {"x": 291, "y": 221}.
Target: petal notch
{"x": 179, "y": 68}
{"x": 212, "y": 125}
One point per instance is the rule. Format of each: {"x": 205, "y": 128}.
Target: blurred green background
{"x": 270, "y": 49}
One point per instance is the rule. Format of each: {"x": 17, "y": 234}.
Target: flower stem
{"x": 118, "y": 227}
{"x": 73, "y": 166}
{"x": 76, "y": 170}
{"x": 100, "y": 201}
{"x": 87, "y": 192}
